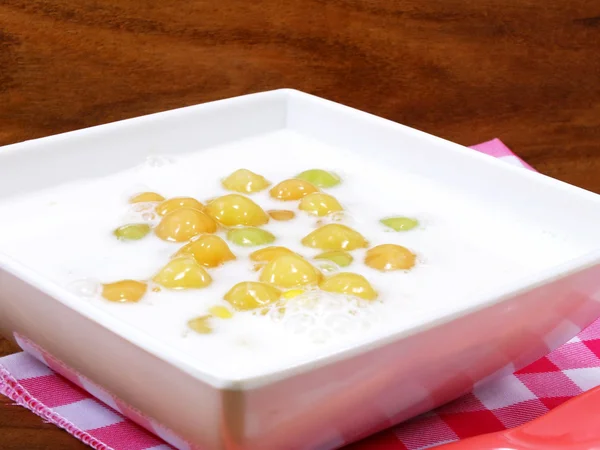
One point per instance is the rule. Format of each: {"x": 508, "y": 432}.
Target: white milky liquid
{"x": 463, "y": 246}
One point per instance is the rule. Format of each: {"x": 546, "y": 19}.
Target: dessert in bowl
{"x": 253, "y": 260}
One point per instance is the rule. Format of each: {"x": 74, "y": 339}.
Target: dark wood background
{"x": 527, "y": 71}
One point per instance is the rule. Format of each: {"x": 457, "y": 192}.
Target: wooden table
{"x": 466, "y": 71}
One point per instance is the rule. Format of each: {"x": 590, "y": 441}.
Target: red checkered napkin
{"x": 37, "y": 381}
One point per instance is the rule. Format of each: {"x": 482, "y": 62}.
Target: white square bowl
{"x": 333, "y": 400}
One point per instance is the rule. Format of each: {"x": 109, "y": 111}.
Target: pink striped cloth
{"x": 39, "y": 382}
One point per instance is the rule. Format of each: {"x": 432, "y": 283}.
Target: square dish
{"x": 356, "y": 390}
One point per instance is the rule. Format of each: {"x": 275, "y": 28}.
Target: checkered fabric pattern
{"x": 38, "y": 381}
{"x": 44, "y": 385}
{"x": 506, "y": 403}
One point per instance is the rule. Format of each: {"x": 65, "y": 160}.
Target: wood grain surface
{"x": 522, "y": 70}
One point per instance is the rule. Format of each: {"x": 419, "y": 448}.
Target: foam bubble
{"x": 142, "y": 213}
{"x": 299, "y": 322}
{"x": 327, "y": 267}
{"x": 342, "y": 217}
{"x": 86, "y": 288}
{"x": 156, "y": 161}
{"x": 321, "y": 317}
{"x": 341, "y": 323}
